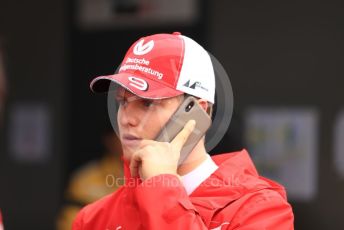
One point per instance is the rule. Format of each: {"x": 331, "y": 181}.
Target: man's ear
{"x": 204, "y": 104}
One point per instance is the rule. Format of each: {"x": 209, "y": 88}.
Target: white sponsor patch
{"x": 195, "y": 85}
{"x": 141, "y": 68}
{"x": 141, "y": 49}
{"x": 141, "y": 61}
{"x": 138, "y": 83}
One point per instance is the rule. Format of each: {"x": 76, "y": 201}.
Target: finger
{"x": 145, "y": 142}
{"x": 183, "y": 135}
{"x": 135, "y": 163}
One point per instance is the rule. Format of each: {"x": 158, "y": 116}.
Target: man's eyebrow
{"x": 133, "y": 98}
{"x": 122, "y": 94}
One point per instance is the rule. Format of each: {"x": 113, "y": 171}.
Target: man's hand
{"x": 153, "y": 158}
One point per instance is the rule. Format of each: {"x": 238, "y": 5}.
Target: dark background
{"x": 278, "y": 53}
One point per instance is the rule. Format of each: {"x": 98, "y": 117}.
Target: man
{"x": 222, "y": 192}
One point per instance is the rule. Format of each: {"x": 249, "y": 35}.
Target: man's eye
{"x": 147, "y": 103}
{"x": 120, "y": 101}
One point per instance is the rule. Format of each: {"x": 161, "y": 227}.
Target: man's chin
{"x": 127, "y": 153}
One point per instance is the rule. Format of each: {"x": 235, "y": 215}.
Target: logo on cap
{"x": 141, "y": 49}
{"x": 138, "y": 83}
{"x": 194, "y": 85}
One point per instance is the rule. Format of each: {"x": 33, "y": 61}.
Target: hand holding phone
{"x": 188, "y": 110}
{"x": 181, "y": 135}
{"x": 155, "y": 158}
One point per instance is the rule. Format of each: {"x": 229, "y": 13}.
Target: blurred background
{"x": 285, "y": 60}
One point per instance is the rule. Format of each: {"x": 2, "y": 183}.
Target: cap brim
{"x": 155, "y": 90}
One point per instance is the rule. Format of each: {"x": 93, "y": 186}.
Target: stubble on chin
{"x": 128, "y": 152}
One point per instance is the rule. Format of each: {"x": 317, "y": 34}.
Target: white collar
{"x": 194, "y": 178}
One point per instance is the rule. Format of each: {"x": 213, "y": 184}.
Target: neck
{"x": 197, "y": 156}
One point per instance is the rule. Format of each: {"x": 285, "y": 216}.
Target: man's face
{"x": 140, "y": 118}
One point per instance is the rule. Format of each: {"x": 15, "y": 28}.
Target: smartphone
{"x": 188, "y": 110}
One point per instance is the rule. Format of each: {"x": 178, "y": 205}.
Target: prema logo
{"x": 141, "y": 49}
{"x": 138, "y": 83}
{"x": 194, "y": 85}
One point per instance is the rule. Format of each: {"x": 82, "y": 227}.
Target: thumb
{"x": 183, "y": 135}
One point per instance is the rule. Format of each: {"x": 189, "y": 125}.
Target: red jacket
{"x": 1, "y": 224}
{"x": 233, "y": 197}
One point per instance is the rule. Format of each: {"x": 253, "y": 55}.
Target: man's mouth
{"x": 130, "y": 140}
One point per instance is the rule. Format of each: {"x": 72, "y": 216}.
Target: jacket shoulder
{"x": 97, "y": 208}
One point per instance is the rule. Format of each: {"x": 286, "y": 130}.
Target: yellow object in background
{"x": 92, "y": 181}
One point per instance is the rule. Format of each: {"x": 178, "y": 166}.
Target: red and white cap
{"x": 163, "y": 66}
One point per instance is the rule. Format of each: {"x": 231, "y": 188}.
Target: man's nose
{"x": 129, "y": 114}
